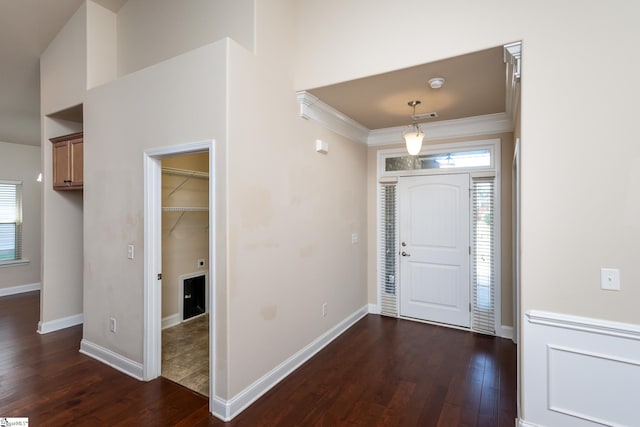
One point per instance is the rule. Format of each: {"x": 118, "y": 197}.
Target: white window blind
{"x": 10, "y": 221}
{"x": 388, "y": 256}
{"x": 483, "y": 255}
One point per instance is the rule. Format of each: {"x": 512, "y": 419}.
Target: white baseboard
{"x": 20, "y": 289}
{"x": 115, "y": 360}
{"x": 57, "y": 324}
{"x": 523, "y": 423}
{"x": 171, "y": 320}
{"x": 374, "y": 309}
{"x": 506, "y": 332}
{"x": 227, "y": 410}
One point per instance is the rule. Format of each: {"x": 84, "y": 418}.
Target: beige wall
{"x": 178, "y": 101}
{"x": 19, "y": 162}
{"x": 63, "y": 66}
{"x": 63, "y": 77}
{"x": 62, "y": 231}
{"x": 188, "y": 242}
{"x": 291, "y": 211}
{"x": 151, "y": 31}
{"x": 506, "y": 156}
{"x": 101, "y": 45}
{"x": 578, "y": 211}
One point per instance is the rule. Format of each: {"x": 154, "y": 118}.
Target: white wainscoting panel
{"x": 580, "y": 371}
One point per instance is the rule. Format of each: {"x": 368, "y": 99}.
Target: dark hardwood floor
{"x": 381, "y": 372}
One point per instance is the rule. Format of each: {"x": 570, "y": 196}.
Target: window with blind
{"x": 10, "y": 221}
{"x": 483, "y": 254}
{"x": 388, "y": 250}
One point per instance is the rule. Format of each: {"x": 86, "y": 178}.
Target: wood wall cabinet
{"x": 67, "y": 162}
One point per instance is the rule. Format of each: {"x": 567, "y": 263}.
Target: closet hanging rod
{"x": 185, "y": 172}
{"x": 183, "y": 209}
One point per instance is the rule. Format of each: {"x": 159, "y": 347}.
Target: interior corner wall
{"x": 292, "y": 212}
{"x": 151, "y": 31}
{"x": 62, "y": 233}
{"x": 101, "y": 45}
{"x": 63, "y": 66}
{"x": 177, "y": 101}
{"x": 63, "y": 76}
{"x": 506, "y": 274}
{"x": 19, "y": 162}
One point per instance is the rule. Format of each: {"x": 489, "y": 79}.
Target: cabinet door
{"x": 61, "y": 164}
{"x": 77, "y": 164}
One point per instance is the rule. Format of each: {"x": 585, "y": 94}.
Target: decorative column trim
{"x": 312, "y": 108}
{"x": 513, "y": 59}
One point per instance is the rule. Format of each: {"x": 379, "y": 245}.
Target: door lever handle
{"x": 405, "y": 254}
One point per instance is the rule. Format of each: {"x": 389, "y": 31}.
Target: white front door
{"x": 434, "y": 248}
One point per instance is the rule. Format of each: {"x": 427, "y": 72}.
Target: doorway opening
{"x": 179, "y": 236}
{"x": 185, "y": 251}
{"x": 439, "y": 235}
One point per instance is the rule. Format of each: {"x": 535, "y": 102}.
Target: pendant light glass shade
{"x": 413, "y": 137}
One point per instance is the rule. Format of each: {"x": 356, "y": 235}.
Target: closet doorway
{"x": 185, "y": 270}
{"x": 155, "y": 315}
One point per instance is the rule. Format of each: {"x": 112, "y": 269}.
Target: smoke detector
{"x": 436, "y": 82}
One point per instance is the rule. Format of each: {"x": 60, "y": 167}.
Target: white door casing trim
{"x": 152, "y": 345}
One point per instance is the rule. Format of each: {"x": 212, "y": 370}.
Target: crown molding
{"x": 512, "y": 59}
{"x": 446, "y": 129}
{"x": 312, "y": 108}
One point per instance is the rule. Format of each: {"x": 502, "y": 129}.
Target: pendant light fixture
{"x": 413, "y": 135}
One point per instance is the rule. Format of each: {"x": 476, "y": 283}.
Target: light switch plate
{"x": 610, "y": 279}
{"x": 130, "y": 251}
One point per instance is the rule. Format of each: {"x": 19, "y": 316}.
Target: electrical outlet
{"x": 324, "y": 310}
{"x": 112, "y": 324}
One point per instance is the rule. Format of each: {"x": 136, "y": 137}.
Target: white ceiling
{"x": 475, "y": 83}
{"x": 26, "y": 29}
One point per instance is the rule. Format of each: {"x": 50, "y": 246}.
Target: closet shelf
{"x": 186, "y": 173}
{"x": 182, "y": 210}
